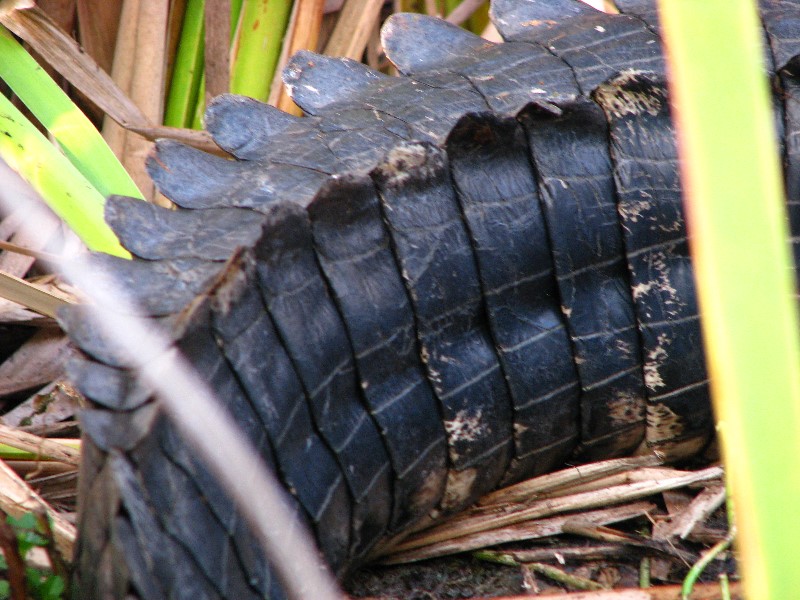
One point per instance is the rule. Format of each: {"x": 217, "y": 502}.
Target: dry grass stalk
{"x": 375, "y": 58}
{"x": 32, "y": 469}
{"x": 480, "y": 519}
{"x": 64, "y": 54}
{"x": 43, "y": 448}
{"x": 61, "y": 11}
{"x": 490, "y": 34}
{"x": 302, "y": 33}
{"x": 177, "y": 10}
{"x": 698, "y": 510}
{"x": 98, "y": 21}
{"x": 353, "y": 28}
{"x": 122, "y": 74}
{"x": 59, "y": 488}
{"x": 464, "y": 11}
{"x": 639, "y": 475}
{"x": 217, "y": 42}
{"x": 36, "y": 363}
{"x": 30, "y": 252}
{"x": 147, "y": 87}
{"x": 12, "y": 313}
{"x": 17, "y": 498}
{"x": 516, "y": 533}
{"x": 702, "y": 591}
{"x": 531, "y": 488}
{"x": 579, "y": 526}
{"x": 24, "y": 249}
{"x": 200, "y": 139}
{"x": 562, "y": 554}
{"x": 605, "y": 5}
{"x": 29, "y": 295}
{"x": 432, "y": 8}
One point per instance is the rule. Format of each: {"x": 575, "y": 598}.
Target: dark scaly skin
{"x": 479, "y": 270}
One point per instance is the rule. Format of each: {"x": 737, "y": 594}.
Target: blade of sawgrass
{"x": 64, "y": 189}
{"x": 77, "y": 137}
{"x": 63, "y": 53}
{"x": 257, "y": 46}
{"x": 188, "y": 68}
{"x": 743, "y": 266}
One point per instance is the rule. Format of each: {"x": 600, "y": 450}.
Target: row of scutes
{"x": 493, "y": 239}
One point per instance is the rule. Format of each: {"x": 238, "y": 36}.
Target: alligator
{"x": 429, "y": 286}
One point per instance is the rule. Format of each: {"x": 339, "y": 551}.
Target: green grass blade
{"x": 188, "y": 68}
{"x": 76, "y": 135}
{"x": 66, "y": 191}
{"x": 258, "y": 46}
{"x": 743, "y": 268}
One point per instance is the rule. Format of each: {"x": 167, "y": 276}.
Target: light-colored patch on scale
{"x": 631, "y": 211}
{"x": 660, "y": 284}
{"x": 232, "y": 282}
{"x": 626, "y": 408}
{"x": 675, "y": 226}
{"x": 656, "y": 358}
{"x": 640, "y": 289}
{"x": 458, "y": 488}
{"x": 672, "y": 451}
{"x": 663, "y": 425}
{"x": 465, "y": 427}
{"x": 539, "y": 23}
{"x": 600, "y": 28}
{"x": 669, "y": 294}
{"x": 519, "y": 429}
{"x": 566, "y": 311}
{"x": 623, "y": 347}
{"x": 620, "y": 100}
{"x": 434, "y": 376}
{"x": 429, "y": 492}
{"x": 408, "y": 160}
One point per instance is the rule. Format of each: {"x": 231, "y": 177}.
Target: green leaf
{"x": 64, "y": 189}
{"x": 24, "y": 521}
{"x": 73, "y": 131}
{"x": 258, "y": 46}
{"x": 43, "y": 586}
{"x": 188, "y": 69}
{"x": 744, "y": 272}
{"x": 53, "y": 587}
